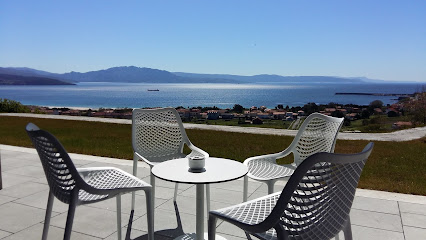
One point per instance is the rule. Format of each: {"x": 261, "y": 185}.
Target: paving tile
{"x": 166, "y": 223}
{"x": 230, "y": 229}
{"x": 377, "y": 220}
{"x": 126, "y": 204}
{"x": 5, "y": 199}
{"x": 80, "y": 162}
{"x": 413, "y": 220}
{"x": 35, "y": 232}
{"x": 237, "y": 185}
{"x": 358, "y": 232}
{"x": 134, "y": 234}
{"x": 257, "y": 194}
{"x": 10, "y": 155}
{"x": 10, "y": 179}
{"x": 4, "y": 234}
{"x": 278, "y": 187}
{"x": 375, "y": 205}
{"x": 28, "y": 171}
{"x": 21, "y": 160}
{"x": 41, "y": 180}
{"x": 218, "y": 195}
{"x": 412, "y": 233}
{"x": 361, "y": 233}
{"x": 167, "y": 184}
{"x": 16, "y": 217}
{"x": 412, "y": 208}
{"x": 231, "y": 237}
{"x": 24, "y": 189}
{"x": 188, "y": 205}
{"x": 92, "y": 221}
{"x": 162, "y": 192}
{"x": 39, "y": 200}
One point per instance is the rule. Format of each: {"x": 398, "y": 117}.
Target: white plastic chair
{"x": 314, "y": 204}
{"x": 318, "y": 133}
{"x": 158, "y": 135}
{"x": 78, "y": 186}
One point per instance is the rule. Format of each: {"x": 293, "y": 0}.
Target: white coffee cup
{"x": 196, "y": 162}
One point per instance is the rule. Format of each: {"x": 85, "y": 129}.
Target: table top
{"x": 217, "y": 170}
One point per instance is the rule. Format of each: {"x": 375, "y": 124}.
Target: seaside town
{"x": 258, "y": 115}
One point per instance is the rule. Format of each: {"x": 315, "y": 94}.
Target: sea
{"x": 137, "y": 95}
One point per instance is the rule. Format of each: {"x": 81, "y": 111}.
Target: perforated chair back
{"x": 323, "y": 191}
{"x": 158, "y": 134}
{"x": 60, "y": 171}
{"x": 318, "y": 133}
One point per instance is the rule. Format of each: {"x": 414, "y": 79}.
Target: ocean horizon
{"x": 136, "y": 95}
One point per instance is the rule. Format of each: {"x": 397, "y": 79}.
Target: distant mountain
{"x": 134, "y": 74}
{"x": 7, "y": 79}
{"x": 23, "y": 71}
{"x": 29, "y": 72}
{"x": 263, "y": 78}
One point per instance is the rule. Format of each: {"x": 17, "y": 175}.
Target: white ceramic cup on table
{"x": 196, "y": 162}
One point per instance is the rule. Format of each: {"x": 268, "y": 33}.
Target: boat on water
{"x": 153, "y": 90}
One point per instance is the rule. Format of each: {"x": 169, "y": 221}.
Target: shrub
{"x": 393, "y": 114}
{"x": 12, "y": 106}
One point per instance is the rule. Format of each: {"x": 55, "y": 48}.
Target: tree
{"x": 238, "y": 108}
{"x": 337, "y": 114}
{"x": 417, "y": 107}
{"x": 310, "y": 108}
{"x": 375, "y": 104}
{"x": 331, "y": 105}
{"x": 347, "y": 122}
{"x": 365, "y": 114}
{"x": 393, "y": 114}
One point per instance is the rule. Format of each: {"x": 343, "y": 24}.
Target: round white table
{"x": 217, "y": 170}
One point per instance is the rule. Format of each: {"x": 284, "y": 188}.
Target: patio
{"x": 23, "y": 199}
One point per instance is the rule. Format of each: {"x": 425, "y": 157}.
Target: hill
{"x": 266, "y": 78}
{"x": 132, "y": 74}
{"x": 8, "y": 79}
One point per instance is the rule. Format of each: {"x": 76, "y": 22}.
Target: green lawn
{"x": 393, "y": 166}
{"x": 375, "y": 124}
{"x": 269, "y": 123}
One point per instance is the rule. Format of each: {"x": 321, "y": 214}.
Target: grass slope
{"x": 393, "y": 166}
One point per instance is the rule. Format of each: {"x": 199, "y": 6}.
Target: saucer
{"x": 198, "y": 170}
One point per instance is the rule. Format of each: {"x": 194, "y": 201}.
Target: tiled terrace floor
{"x": 375, "y": 215}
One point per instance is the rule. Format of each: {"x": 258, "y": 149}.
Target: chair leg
{"x": 245, "y": 190}
{"x": 70, "y": 217}
{"x": 48, "y": 215}
{"x": 176, "y": 191}
{"x": 347, "y": 230}
{"x": 135, "y": 172}
{"x": 270, "y": 186}
{"x": 152, "y": 181}
{"x": 208, "y": 199}
{"x": 212, "y": 227}
{"x": 118, "y": 216}
{"x": 150, "y": 214}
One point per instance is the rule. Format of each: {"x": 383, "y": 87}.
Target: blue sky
{"x": 378, "y": 39}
